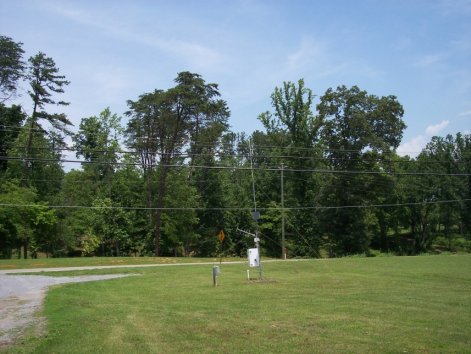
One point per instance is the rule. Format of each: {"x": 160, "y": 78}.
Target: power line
{"x": 256, "y": 156}
{"x": 233, "y": 208}
{"x": 378, "y": 205}
{"x": 218, "y": 154}
{"x": 193, "y": 181}
{"x": 237, "y": 142}
{"x": 332, "y": 171}
{"x": 214, "y": 144}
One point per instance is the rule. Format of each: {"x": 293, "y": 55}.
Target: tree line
{"x": 324, "y": 174}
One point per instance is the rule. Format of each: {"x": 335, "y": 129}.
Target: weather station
{"x": 253, "y": 254}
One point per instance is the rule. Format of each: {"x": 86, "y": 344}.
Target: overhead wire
{"x": 267, "y": 168}
{"x": 235, "y": 208}
{"x": 203, "y": 143}
{"x": 217, "y": 154}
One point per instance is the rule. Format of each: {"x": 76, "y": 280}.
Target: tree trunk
{"x": 29, "y": 144}
{"x": 25, "y": 249}
{"x": 148, "y": 176}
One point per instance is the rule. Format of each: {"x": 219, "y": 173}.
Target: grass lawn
{"x": 360, "y": 305}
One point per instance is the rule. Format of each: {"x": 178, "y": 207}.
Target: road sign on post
{"x": 221, "y": 236}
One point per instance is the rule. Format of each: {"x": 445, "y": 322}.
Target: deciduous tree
{"x": 162, "y": 123}
{"x": 12, "y": 66}
{"x": 359, "y": 131}
{"x": 11, "y": 120}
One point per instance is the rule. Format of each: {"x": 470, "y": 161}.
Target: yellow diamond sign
{"x": 221, "y": 236}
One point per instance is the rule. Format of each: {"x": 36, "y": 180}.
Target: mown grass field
{"x": 359, "y": 305}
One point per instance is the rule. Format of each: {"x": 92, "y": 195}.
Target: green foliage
{"x": 45, "y": 81}
{"x": 23, "y": 219}
{"x": 45, "y": 170}
{"x": 110, "y": 223}
{"x": 293, "y": 131}
{"x": 186, "y": 176}
{"x": 12, "y": 66}
{"x": 11, "y": 119}
{"x": 359, "y": 130}
{"x": 293, "y": 114}
{"x": 97, "y": 142}
{"x": 180, "y": 226}
{"x": 161, "y": 124}
{"x": 15, "y": 223}
{"x": 441, "y": 155}
{"x": 355, "y": 121}
{"x": 89, "y": 243}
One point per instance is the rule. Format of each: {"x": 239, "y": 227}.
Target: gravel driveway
{"x": 22, "y": 295}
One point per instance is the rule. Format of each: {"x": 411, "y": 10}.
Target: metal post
{"x": 253, "y": 179}
{"x": 283, "y": 247}
{"x": 257, "y": 243}
{"x": 215, "y": 276}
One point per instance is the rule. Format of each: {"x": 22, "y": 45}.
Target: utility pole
{"x": 256, "y": 216}
{"x": 283, "y": 247}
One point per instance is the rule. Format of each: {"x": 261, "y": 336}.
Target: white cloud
{"x": 435, "y": 129}
{"x": 464, "y": 114}
{"x": 430, "y": 60}
{"x": 196, "y": 55}
{"x": 413, "y": 147}
{"x": 307, "y": 53}
{"x": 313, "y": 56}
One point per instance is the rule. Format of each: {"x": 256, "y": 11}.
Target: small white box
{"x": 253, "y": 256}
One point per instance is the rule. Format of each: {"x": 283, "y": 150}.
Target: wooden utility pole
{"x": 283, "y": 247}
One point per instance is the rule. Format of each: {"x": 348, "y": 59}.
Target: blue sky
{"x": 113, "y": 51}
